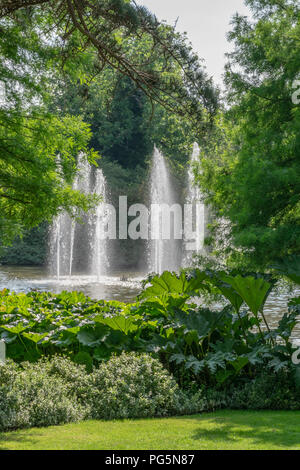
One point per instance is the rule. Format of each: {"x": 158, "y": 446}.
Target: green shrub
{"x": 136, "y": 386}
{"x": 74, "y": 376}
{"x": 30, "y": 396}
{"x": 267, "y": 391}
{"x": 55, "y": 391}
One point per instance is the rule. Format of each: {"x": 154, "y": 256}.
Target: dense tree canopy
{"x": 252, "y": 170}
{"x": 45, "y": 44}
{"x": 124, "y": 124}
{"x": 106, "y": 29}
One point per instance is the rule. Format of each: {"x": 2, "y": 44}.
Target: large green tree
{"x": 252, "y": 168}
{"x": 37, "y": 150}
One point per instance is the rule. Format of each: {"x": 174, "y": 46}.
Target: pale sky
{"x": 206, "y": 23}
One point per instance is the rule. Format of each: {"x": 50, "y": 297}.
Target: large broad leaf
{"x": 230, "y": 294}
{"x": 222, "y": 375}
{"x": 101, "y": 353}
{"x": 178, "y": 358}
{"x": 202, "y": 323}
{"x": 192, "y": 322}
{"x": 72, "y": 298}
{"x": 197, "y": 282}
{"x": 287, "y": 324}
{"x": 289, "y": 267}
{"x": 16, "y": 330}
{"x": 88, "y": 338}
{"x": 259, "y": 354}
{"x": 239, "y": 363}
{"x": 35, "y": 337}
{"x": 170, "y": 283}
{"x": 219, "y": 359}
{"x": 190, "y": 362}
{"x": 164, "y": 304}
{"x": 118, "y": 322}
{"x": 193, "y": 364}
{"x": 154, "y": 305}
{"x": 278, "y": 364}
{"x": 253, "y": 291}
{"x": 166, "y": 283}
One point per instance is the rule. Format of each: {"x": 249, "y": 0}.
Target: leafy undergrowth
{"x": 196, "y": 344}
{"x": 222, "y": 430}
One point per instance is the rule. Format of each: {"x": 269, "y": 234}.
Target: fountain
{"x": 99, "y": 245}
{"x": 60, "y": 247}
{"x": 81, "y": 183}
{"x": 83, "y": 247}
{"x": 66, "y": 235}
{"x": 164, "y": 246}
{"x": 195, "y": 214}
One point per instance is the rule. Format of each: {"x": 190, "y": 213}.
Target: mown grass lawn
{"x": 211, "y": 431}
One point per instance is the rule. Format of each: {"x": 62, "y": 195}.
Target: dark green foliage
{"x": 84, "y": 358}
{"x": 31, "y": 188}
{"x": 116, "y": 111}
{"x": 267, "y": 391}
{"x": 289, "y": 267}
{"x": 251, "y": 171}
{"x": 92, "y": 36}
{"x": 124, "y": 126}
{"x": 30, "y": 250}
{"x": 123, "y": 135}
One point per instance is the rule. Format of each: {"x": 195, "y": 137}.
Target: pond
{"x": 122, "y": 286}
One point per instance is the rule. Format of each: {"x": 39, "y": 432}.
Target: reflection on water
{"x": 276, "y": 305}
{"x": 122, "y": 286}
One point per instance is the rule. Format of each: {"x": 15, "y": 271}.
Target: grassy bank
{"x": 211, "y": 431}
